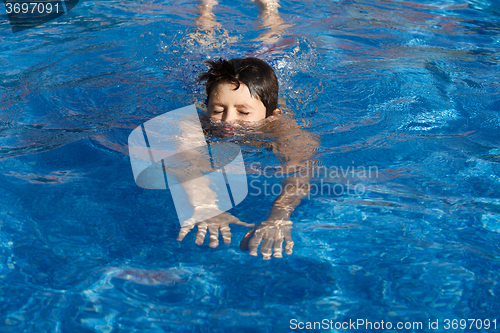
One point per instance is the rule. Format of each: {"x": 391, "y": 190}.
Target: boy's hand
{"x": 220, "y": 222}
{"x": 273, "y": 233}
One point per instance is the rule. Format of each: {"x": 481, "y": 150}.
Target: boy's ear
{"x": 277, "y": 112}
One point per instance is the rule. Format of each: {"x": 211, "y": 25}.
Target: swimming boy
{"x": 242, "y": 94}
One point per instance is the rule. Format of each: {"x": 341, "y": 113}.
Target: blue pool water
{"x": 411, "y": 89}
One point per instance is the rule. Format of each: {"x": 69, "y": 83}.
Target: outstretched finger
{"x": 238, "y": 222}
{"x": 254, "y": 242}
{"x": 226, "y": 234}
{"x": 200, "y": 235}
{"x": 287, "y": 234}
{"x": 266, "y": 246}
{"x": 214, "y": 235}
{"x": 278, "y": 247}
{"x": 183, "y": 232}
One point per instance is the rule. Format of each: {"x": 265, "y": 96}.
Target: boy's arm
{"x": 189, "y": 172}
{"x": 295, "y": 146}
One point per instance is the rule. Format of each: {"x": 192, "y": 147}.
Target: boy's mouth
{"x": 228, "y": 130}
{"x": 222, "y": 131}
{"x": 225, "y": 130}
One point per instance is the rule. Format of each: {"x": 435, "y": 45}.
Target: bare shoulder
{"x": 291, "y": 140}
{"x": 287, "y": 130}
{"x": 281, "y": 124}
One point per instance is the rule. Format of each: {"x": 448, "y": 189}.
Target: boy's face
{"x": 231, "y": 105}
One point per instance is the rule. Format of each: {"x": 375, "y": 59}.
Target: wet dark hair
{"x": 256, "y": 74}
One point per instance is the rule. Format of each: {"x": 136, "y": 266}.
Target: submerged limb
{"x": 206, "y": 18}
{"x": 272, "y": 234}
{"x": 271, "y": 21}
{"x": 277, "y": 228}
{"x": 215, "y": 224}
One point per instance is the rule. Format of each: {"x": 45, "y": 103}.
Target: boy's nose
{"x": 229, "y": 116}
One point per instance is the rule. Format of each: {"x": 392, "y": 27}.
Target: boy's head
{"x": 240, "y": 89}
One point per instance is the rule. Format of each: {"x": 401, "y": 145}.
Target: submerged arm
{"x": 192, "y": 166}
{"x": 296, "y": 147}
